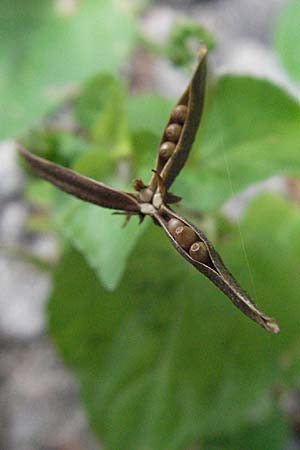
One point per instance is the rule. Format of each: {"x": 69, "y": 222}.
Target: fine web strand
{"x": 238, "y": 223}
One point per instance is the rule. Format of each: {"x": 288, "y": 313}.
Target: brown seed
{"x": 179, "y": 114}
{"x": 167, "y": 149}
{"x": 198, "y": 251}
{"x": 173, "y": 224}
{"x": 173, "y": 132}
{"x": 185, "y": 236}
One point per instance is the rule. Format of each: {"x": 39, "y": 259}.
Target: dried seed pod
{"x": 173, "y": 224}
{"x": 167, "y": 149}
{"x": 216, "y": 271}
{"x": 185, "y": 236}
{"x": 80, "y": 186}
{"x": 179, "y": 114}
{"x": 198, "y": 251}
{"x": 193, "y": 100}
{"x": 173, "y": 132}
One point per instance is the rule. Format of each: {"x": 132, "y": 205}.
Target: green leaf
{"x": 166, "y": 359}
{"x": 99, "y": 235}
{"x": 95, "y": 163}
{"x": 287, "y": 38}
{"x": 250, "y": 131}
{"x": 40, "y": 193}
{"x": 100, "y": 108}
{"x": 110, "y": 130}
{"x": 271, "y": 434}
{"x": 44, "y": 54}
{"x": 145, "y": 146}
{"x": 95, "y": 95}
{"x": 148, "y": 113}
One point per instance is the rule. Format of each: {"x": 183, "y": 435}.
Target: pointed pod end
{"x": 202, "y": 51}
{"x": 271, "y": 326}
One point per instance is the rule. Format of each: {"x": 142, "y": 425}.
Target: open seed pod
{"x": 152, "y": 199}
{"x": 182, "y": 127}
{"x": 214, "y": 269}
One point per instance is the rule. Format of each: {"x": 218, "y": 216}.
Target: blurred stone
{"x": 11, "y": 176}
{"x": 255, "y": 59}
{"x": 230, "y": 20}
{"x": 44, "y": 246}
{"x": 24, "y": 291}
{"x": 12, "y": 221}
{"x": 41, "y": 399}
{"x": 235, "y": 207}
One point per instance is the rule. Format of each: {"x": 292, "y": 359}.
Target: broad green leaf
{"x": 95, "y": 95}
{"x": 101, "y": 109}
{"x": 250, "y": 131}
{"x": 148, "y": 113}
{"x": 98, "y": 234}
{"x": 145, "y": 146}
{"x": 271, "y": 434}
{"x": 96, "y": 163}
{"x": 44, "y": 54}
{"x": 40, "y": 193}
{"x": 287, "y": 38}
{"x": 110, "y": 129}
{"x": 166, "y": 360}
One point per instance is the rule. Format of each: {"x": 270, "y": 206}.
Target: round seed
{"x": 198, "y": 251}
{"x": 145, "y": 195}
{"x": 173, "y": 132}
{"x": 179, "y": 114}
{"x": 173, "y": 224}
{"x": 185, "y": 236}
{"x": 166, "y": 149}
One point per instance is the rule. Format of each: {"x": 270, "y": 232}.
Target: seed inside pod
{"x": 198, "y": 251}
{"x": 173, "y": 132}
{"x": 145, "y": 195}
{"x": 173, "y": 224}
{"x": 179, "y": 114}
{"x": 185, "y": 236}
{"x": 167, "y": 149}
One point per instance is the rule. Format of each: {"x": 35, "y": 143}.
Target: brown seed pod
{"x": 173, "y": 224}
{"x": 173, "y": 132}
{"x": 198, "y": 251}
{"x": 185, "y": 236}
{"x": 179, "y": 114}
{"x": 167, "y": 149}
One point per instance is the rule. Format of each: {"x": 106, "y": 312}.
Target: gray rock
{"x": 234, "y": 208}
{"x": 12, "y": 220}
{"x": 42, "y": 403}
{"x": 11, "y": 176}
{"x": 255, "y": 59}
{"x": 24, "y": 291}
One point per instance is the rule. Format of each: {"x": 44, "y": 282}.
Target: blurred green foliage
{"x": 163, "y": 359}
{"x": 45, "y": 53}
{"x": 287, "y": 38}
{"x": 183, "y": 42}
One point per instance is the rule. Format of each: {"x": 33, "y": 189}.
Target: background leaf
{"x": 250, "y": 131}
{"x": 287, "y": 38}
{"x": 43, "y": 54}
{"x": 270, "y": 434}
{"x": 160, "y": 360}
{"x": 99, "y": 235}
